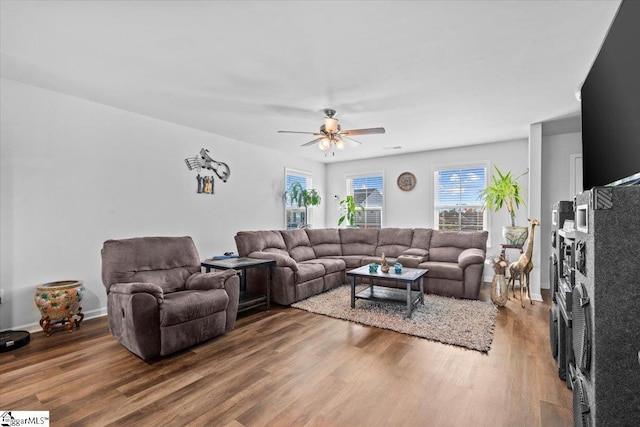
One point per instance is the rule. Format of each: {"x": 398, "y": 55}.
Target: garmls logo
{"x": 24, "y": 418}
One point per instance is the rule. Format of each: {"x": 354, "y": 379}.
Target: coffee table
{"x": 409, "y": 276}
{"x": 247, "y": 300}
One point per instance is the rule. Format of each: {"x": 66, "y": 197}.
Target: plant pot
{"x": 59, "y": 304}
{"x": 515, "y": 235}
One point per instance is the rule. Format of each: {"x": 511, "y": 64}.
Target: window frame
{"x": 308, "y": 176}
{"x": 349, "y": 187}
{"x": 486, "y": 224}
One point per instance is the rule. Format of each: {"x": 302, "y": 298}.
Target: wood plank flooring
{"x": 289, "y": 367}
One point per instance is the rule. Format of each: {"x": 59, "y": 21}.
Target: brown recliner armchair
{"x": 158, "y": 301}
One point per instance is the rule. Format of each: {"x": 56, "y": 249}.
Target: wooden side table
{"x": 248, "y": 300}
{"x": 506, "y": 246}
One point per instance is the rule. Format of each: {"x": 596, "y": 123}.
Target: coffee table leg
{"x": 422, "y": 291}
{"x": 409, "y": 300}
{"x": 353, "y": 292}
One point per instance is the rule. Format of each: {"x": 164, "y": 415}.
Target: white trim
{"x": 575, "y": 165}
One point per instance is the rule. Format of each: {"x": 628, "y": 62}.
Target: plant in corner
{"x": 348, "y": 209}
{"x": 504, "y": 191}
{"x": 303, "y": 197}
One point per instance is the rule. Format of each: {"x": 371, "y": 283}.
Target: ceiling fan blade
{"x": 352, "y": 142}
{"x": 294, "y": 131}
{"x": 306, "y": 144}
{"x": 368, "y": 131}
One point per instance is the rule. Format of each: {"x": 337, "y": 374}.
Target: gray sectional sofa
{"x": 312, "y": 261}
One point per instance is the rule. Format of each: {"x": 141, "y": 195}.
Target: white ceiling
{"x": 434, "y": 74}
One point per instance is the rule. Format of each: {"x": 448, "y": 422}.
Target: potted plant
{"x": 303, "y": 197}
{"x": 504, "y": 191}
{"x": 348, "y": 209}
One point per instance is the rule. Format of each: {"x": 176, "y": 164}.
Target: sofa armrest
{"x": 207, "y": 281}
{"x": 281, "y": 260}
{"x": 470, "y": 256}
{"x": 417, "y": 252}
{"x": 137, "y": 288}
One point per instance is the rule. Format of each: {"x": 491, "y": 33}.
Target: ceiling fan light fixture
{"x": 324, "y": 144}
{"x": 340, "y": 144}
{"x": 330, "y": 125}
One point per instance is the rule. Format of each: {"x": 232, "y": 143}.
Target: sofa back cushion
{"x": 164, "y": 261}
{"x": 446, "y": 246}
{"x": 298, "y": 245}
{"x": 356, "y": 241}
{"x": 260, "y": 241}
{"x": 325, "y": 242}
{"x": 421, "y": 238}
{"x": 393, "y": 241}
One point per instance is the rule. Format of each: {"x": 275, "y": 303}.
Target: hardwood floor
{"x": 290, "y": 367}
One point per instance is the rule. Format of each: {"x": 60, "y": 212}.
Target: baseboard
{"x": 35, "y": 327}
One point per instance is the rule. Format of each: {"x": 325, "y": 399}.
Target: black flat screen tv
{"x": 610, "y": 99}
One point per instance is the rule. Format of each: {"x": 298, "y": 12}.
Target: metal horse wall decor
{"x": 204, "y": 161}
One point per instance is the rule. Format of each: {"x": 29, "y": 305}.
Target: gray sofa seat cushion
{"x": 180, "y": 307}
{"x": 298, "y": 245}
{"x": 325, "y": 242}
{"x": 393, "y": 241}
{"x": 378, "y": 260}
{"x": 443, "y": 270}
{"x": 359, "y": 241}
{"x": 352, "y": 261}
{"x": 331, "y": 265}
{"x": 309, "y": 271}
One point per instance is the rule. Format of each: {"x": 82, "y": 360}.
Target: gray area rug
{"x": 464, "y": 323}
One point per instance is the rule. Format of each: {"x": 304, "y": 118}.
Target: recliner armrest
{"x": 281, "y": 260}
{"x": 206, "y": 281}
{"x": 137, "y": 288}
{"x": 470, "y": 256}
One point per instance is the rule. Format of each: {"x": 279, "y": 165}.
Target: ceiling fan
{"x": 331, "y": 134}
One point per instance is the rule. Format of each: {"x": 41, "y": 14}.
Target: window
{"x": 457, "y": 203}
{"x": 294, "y": 215}
{"x": 367, "y": 191}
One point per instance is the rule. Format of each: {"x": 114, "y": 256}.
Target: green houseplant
{"x": 303, "y": 197}
{"x": 505, "y": 191}
{"x": 348, "y": 208}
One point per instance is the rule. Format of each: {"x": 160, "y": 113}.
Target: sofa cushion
{"x": 331, "y": 265}
{"x": 458, "y": 239}
{"x": 393, "y": 241}
{"x": 421, "y": 238}
{"x": 443, "y": 270}
{"x": 309, "y": 271}
{"x": 257, "y": 241}
{"x": 298, "y": 245}
{"x": 446, "y": 254}
{"x": 325, "y": 242}
{"x": 356, "y": 241}
{"x": 352, "y": 261}
{"x": 180, "y": 307}
{"x": 165, "y": 261}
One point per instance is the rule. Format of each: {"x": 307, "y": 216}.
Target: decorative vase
{"x": 515, "y": 235}
{"x": 59, "y": 303}
{"x": 499, "y": 290}
{"x": 398, "y": 267}
{"x": 373, "y": 268}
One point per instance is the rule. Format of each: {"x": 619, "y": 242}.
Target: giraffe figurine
{"x": 521, "y": 269}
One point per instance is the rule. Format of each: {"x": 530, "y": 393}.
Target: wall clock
{"x": 406, "y": 181}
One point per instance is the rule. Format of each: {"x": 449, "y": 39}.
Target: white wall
{"x": 415, "y": 208}
{"x": 76, "y": 173}
{"x": 556, "y": 184}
